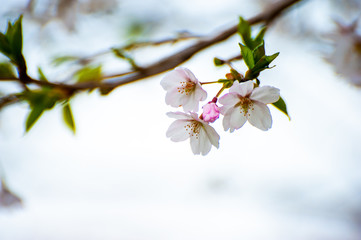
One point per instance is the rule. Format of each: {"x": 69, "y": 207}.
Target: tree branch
{"x": 166, "y": 63}
{"x": 9, "y": 99}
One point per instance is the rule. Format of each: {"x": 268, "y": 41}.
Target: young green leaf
{"x": 41, "y": 75}
{"x": 6, "y": 71}
{"x": 4, "y": 45}
{"x": 16, "y": 37}
{"x": 68, "y": 117}
{"x": 263, "y": 63}
{"x": 281, "y": 105}
{"x": 57, "y": 61}
{"x": 89, "y": 73}
{"x": 259, "y": 38}
{"x": 258, "y": 52}
{"x": 39, "y": 101}
{"x": 33, "y": 116}
{"x": 247, "y": 56}
{"x": 218, "y": 62}
{"x": 244, "y": 29}
{"x": 120, "y": 53}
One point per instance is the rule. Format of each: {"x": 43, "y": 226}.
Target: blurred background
{"x": 119, "y": 177}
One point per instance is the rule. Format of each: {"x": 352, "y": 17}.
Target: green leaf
{"x": 269, "y": 59}
{"x": 89, "y": 73}
{"x": 264, "y": 63}
{"x": 41, "y": 75}
{"x": 63, "y": 59}
{"x": 247, "y": 56}
{"x": 218, "y": 62}
{"x": 258, "y": 52}
{"x": 259, "y": 38}
{"x": 236, "y": 75}
{"x": 68, "y": 117}
{"x": 4, "y": 45}
{"x": 123, "y": 55}
{"x": 244, "y": 29}
{"x": 34, "y": 115}
{"x": 281, "y": 105}
{"x": 16, "y": 37}
{"x": 41, "y": 100}
{"x": 227, "y": 83}
{"x": 11, "y": 43}
{"x": 6, "y": 71}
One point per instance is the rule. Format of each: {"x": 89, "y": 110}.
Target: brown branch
{"x": 183, "y": 55}
{"x": 9, "y": 99}
{"x": 171, "y": 61}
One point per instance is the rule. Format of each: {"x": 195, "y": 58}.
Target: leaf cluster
{"x": 44, "y": 99}
{"x": 253, "y": 50}
{"x": 11, "y": 43}
{"x": 254, "y": 55}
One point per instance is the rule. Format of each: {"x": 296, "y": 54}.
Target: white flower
{"x": 183, "y": 89}
{"x": 243, "y": 103}
{"x": 346, "y": 54}
{"x": 188, "y": 125}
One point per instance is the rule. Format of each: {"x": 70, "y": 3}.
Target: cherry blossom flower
{"x": 244, "y": 102}
{"x": 188, "y": 125}
{"x": 183, "y": 89}
{"x": 210, "y": 112}
{"x": 346, "y": 54}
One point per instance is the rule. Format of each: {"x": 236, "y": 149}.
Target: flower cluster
{"x": 244, "y": 101}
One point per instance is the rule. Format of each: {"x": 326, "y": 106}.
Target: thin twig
{"x": 9, "y": 99}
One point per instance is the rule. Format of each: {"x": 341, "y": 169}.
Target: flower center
{"x": 193, "y": 128}
{"x": 186, "y": 87}
{"x": 245, "y": 104}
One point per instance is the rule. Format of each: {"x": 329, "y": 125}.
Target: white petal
{"x": 237, "y": 118}
{"x": 265, "y": 94}
{"x": 179, "y": 115}
{"x": 190, "y": 103}
{"x": 195, "y": 145}
{"x": 187, "y": 73}
{"x": 173, "y": 98}
{"x": 200, "y": 144}
{"x": 226, "y": 121}
{"x": 200, "y": 93}
{"x": 260, "y": 116}
{"x": 212, "y": 135}
{"x": 233, "y": 119}
{"x": 243, "y": 89}
{"x": 173, "y": 78}
{"x": 229, "y": 100}
{"x": 176, "y": 131}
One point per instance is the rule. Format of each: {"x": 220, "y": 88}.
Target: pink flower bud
{"x": 210, "y": 112}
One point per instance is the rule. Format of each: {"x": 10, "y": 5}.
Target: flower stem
{"x": 219, "y": 92}
{"x": 202, "y": 83}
